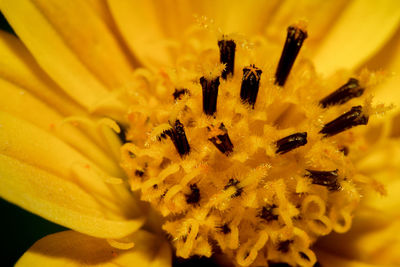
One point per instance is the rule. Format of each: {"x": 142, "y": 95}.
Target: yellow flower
{"x": 78, "y": 68}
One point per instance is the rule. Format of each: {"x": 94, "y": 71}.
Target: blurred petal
{"x": 58, "y": 200}
{"x": 359, "y": 32}
{"x": 52, "y": 52}
{"x": 22, "y": 104}
{"x": 319, "y": 15}
{"x": 90, "y": 38}
{"x": 331, "y": 260}
{"x": 147, "y": 26}
{"x": 24, "y": 141}
{"x": 389, "y": 60}
{"x": 141, "y": 29}
{"x": 73, "y": 249}
{"x": 18, "y": 66}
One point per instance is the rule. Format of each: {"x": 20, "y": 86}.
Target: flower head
{"x": 237, "y": 140}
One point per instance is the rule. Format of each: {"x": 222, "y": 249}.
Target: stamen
{"x": 139, "y": 173}
{"x": 294, "y": 40}
{"x": 291, "y": 142}
{"x": 194, "y": 196}
{"x": 344, "y": 122}
{"x": 225, "y": 229}
{"x": 234, "y": 183}
{"x": 250, "y": 84}
{"x": 179, "y": 93}
{"x": 178, "y": 137}
{"x": 346, "y": 92}
{"x": 210, "y": 94}
{"x": 267, "y": 213}
{"x": 325, "y": 178}
{"x": 227, "y": 56}
{"x": 344, "y": 150}
{"x": 220, "y": 138}
{"x": 283, "y": 246}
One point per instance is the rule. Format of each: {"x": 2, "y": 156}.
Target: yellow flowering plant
{"x": 251, "y": 132}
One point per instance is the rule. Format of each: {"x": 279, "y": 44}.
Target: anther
{"x": 210, "y": 94}
{"x": 194, "y": 196}
{"x": 139, "y": 173}
{"x": 294, "y": 40}
{"x": 349, "y": 90}
{"x": 291, "y": 142}
{"x": 267, "y": 213}
{"x": 220, "y": 138}
{"x": 283, "y": 246}
{"x": 325, "y": 178}
{"x": 225, "y": 229}
{"x": 178, "y": 137}
{"x": 227, "y": 56}
{"x": 344, "y": 150}
{"x": 344, "y": 122}
{"x": 179, "y": 93}
{"x": 234, "y": 183}
{"x": 250, "y": 84}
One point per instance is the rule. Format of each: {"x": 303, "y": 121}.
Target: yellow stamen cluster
{"x": 253, "y": 204}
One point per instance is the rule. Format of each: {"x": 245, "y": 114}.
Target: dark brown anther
{"x": 344, "y": 150}
{"x": 267, "y": 213}
{"x": 283, "y": 246}
{"x": 194, "y": 196}
{"x": 220, "y": 138}
{"x": 291, "y": 142}
{"x": 234, "y": 183}
{"x": 346, "y": 92}
{"x": 294, "y": 40}
{"x": 225, "y": 229}
{"x": 325, "y": 178}
{"x": 179, "y": 93}
{"x": 344, "y": 122}
{"x": 227, "y": 56}
{"x": 139, "y": 173}
{"x": 250, "y": 84}
{"x": 210, "y": 95}
{"x": 178, "y": 137}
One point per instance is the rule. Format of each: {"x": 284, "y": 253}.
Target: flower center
{"x": 257, "y": 167}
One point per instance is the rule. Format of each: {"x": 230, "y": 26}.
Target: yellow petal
{"x": 147, "y": 27}
{"x": 22, "y": 104}
{"x": 388, "y": 59}
{"x": 24, "y": 141}
{"x": 74, "y": 249}
{"x": 19, "y": 67}
{"x": 320, "y": 16}
{"x": 52, "y": 52}
{"x": 331, "y": 260}
{"x": 363, "y": 28}
{"x": 90, "y": 38}
{"x": 58, "y": 200}
{"x": 141, "y": 30}
{"x": 27, "y": 143}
